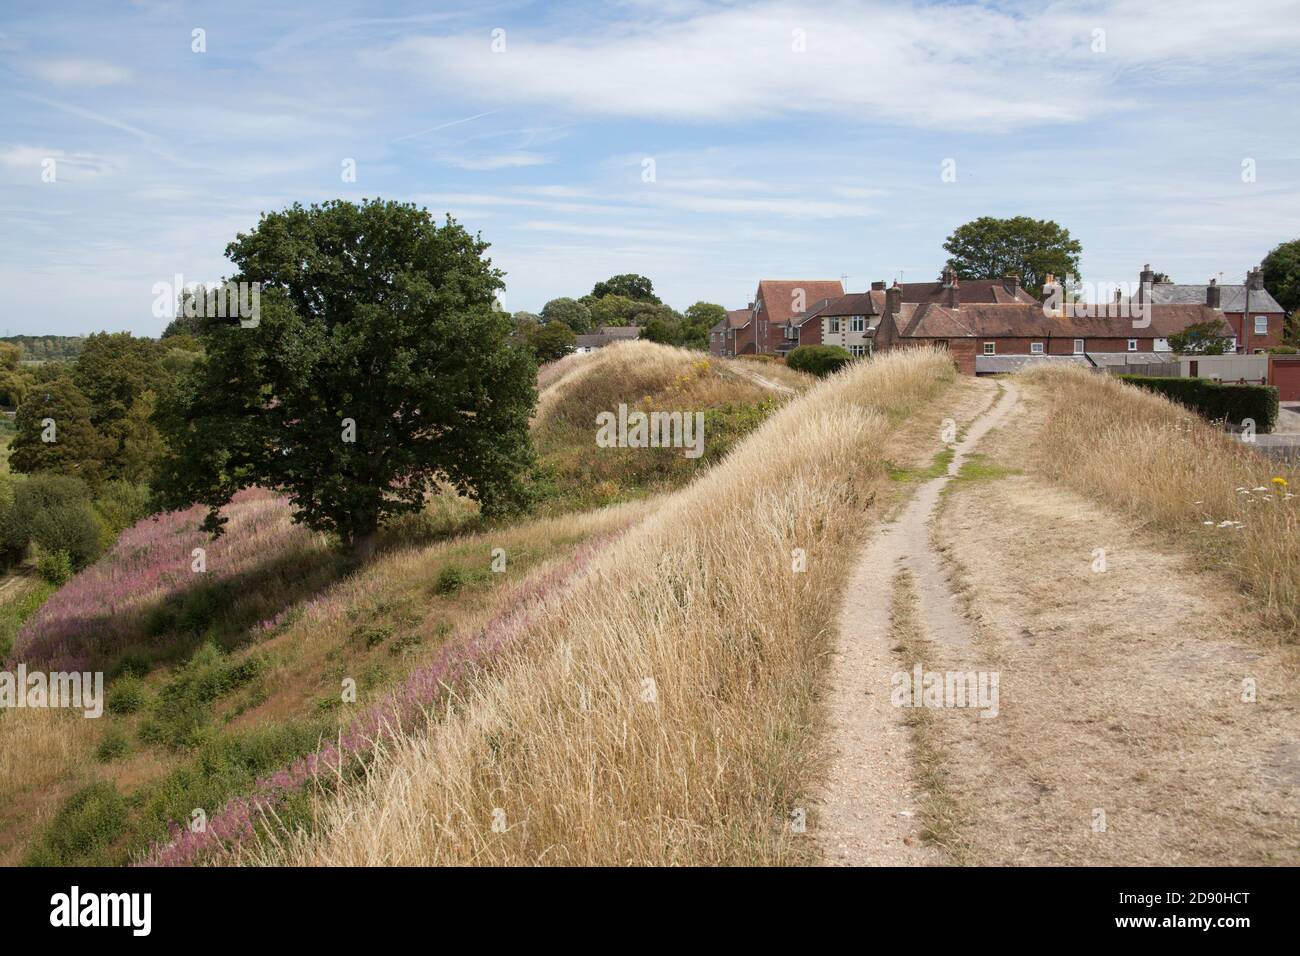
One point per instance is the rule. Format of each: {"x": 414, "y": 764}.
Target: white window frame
{"x": 1258, "y": 320}
{"x": 835, "y": 325}
{"x": 1232, "y": 344}
{"x": 1132, "y": 345}
{"x": 857, "y": 324}
{"x": 1079, "y": 346}
{"x": 1035, "y": 348}
{"x": 990, "y": 348}
{"x": 858, "y": 351}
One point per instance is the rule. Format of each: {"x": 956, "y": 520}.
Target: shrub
{"x": 127, "y": 695}
{"x": 121, "y": 504}
{"x": 114, "y": 745}
{"x": 85, "y": 826}
{"x": 55, "y": 567}
{"x": 450, "y": 580}
{"x": 1215, "y": 401}
{"x": 179, "y": 717}
{"x": 819, "y": 360}
{"x": 54, "y": 512}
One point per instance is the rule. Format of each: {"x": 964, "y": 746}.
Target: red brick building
{"x": 1254, "y": 316}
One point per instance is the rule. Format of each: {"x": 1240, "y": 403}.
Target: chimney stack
{"x": 954, "y": 294}
{"x": 1213, "y": 294}
{"x": 1255, "y": 279}
{"x": 1011, "y": 283}
{"x": 878, "y": 286}
{"x": 1146, "y": 278}
{"x": 949, "y": 276}
{"x": 894, "y": 300}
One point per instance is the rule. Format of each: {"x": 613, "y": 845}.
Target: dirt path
{"x": 761, "y": 380}
{"x": 1146, "y": 717}
{"x": 867, "y": 813}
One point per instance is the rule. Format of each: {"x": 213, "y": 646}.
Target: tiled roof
{"x": 970, "y": 291}
{"x": 1028, "y": 321}
{"x": 737, "y": 318}
{"x": 620, "y": 331}
{"x": 1232, "y": 298}
{"x": 779, "y": 295}
{"x": 993, "y": 364}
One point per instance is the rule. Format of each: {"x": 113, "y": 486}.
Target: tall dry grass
{"x": 1177, "y": 473}
{"x": 665, "y": 711}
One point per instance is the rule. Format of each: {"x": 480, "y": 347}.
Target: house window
{"x": 857, "y": 351}
{"x": 1078, "y": 346}
{"x": 990, "y": 348}
{"x": 1232, "y": 344}
{"x": 856, "y": 324}
{"x": 1162, "y": 345}
{"x": 1132, "y": 345}
{"x": 835, "y": 325}
{"x": 1035, "y": 348}
{"x": 1261, "y": 325}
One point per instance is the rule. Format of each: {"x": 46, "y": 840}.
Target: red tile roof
{"x": 1016, "y": 320}
{"x": 779, "y": 295}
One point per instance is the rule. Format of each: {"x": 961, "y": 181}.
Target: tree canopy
{"x": 629, "y": 285}
{"x": 990, "y": 248}
{"x": 376, "y": 368}
{"x": 1281, "y": 268}
{"x": 571, "y": 312}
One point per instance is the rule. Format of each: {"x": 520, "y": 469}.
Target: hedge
{"x": 1216, "y": 401}
{"x": 819, "y": 360}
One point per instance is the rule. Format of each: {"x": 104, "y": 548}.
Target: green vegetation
{"x": 84, "y": 830}
{"x": 179, "y": 717}
{"x": 978, "y": 467}
{"x": 990, "y": 248}
{"x": 936, "y": 469}
{"x": 46, "y": 348}
{"x": 17, "y": 609}
{"x": 1215, "y": 401}
{"x": 340, "y": 396}
{"x": 819, "y": 360}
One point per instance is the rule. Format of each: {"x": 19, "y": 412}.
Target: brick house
{"x": 767, "y": 329}
{"x": 1261, "y": 331}
{"x": 990, "y": 337}
{"x": 723, "y": 336}
{"x": 850, "y": 321}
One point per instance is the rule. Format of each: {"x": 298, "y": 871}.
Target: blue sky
{"x": 787, "y": 140}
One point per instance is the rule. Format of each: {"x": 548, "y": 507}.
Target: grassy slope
{"x": 667, "y": 711}
{"x": 242, "y": 665}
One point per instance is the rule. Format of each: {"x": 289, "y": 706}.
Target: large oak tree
{"x": 377, "y": 367}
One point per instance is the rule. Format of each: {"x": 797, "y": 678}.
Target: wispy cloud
{"x": 73, "y": 72}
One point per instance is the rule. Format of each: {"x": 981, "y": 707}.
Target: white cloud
{"x": 79, "y": 72}
{"x": 956, "y": 66}
{"x": 31, "y": 159}
{"x": 501, "y": 161}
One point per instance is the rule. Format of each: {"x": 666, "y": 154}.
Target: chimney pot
{"x": 1213, "y": 295}
{"x": 878, "y": 286}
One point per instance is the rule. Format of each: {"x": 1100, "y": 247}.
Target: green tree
{"x": 990, "y": 248}
{"x": 14, "y": 381}
{"x": 571, "y": 312}
{"x": 551, "y": 341}
{"x": 378, "y": 367}
{"x": 54, "y": 432}
{"x": 697, "y": 321}
{"x": 1201, "y": 338}
{"x": 615, "y": 310}
{"x": 1281, "y": 269}
{"x": 113, "y": 371}
{"x": 629, "y": 285}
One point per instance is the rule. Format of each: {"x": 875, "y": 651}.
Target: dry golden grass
{"x": 666, "y": 710}
{"x": 1177, "y": 473}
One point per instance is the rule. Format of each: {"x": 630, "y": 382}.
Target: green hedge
{"x": 819, "y": 360}
{"x": 1216, "y": 401}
